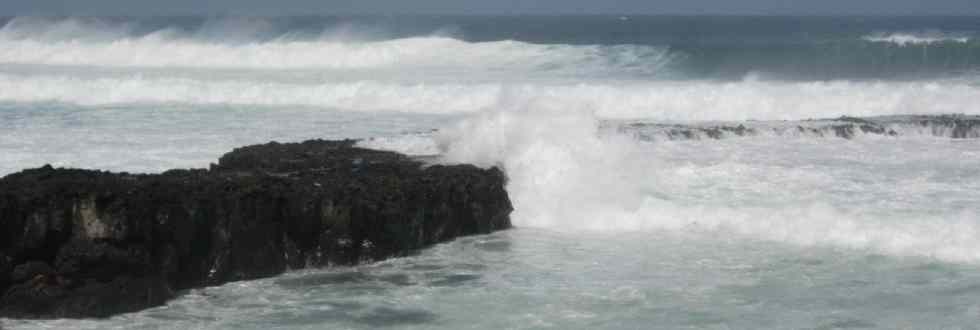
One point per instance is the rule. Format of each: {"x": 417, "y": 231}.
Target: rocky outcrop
{"x": 942, "y": 126}
{"x": 81, "y": 243}
{"x": 954, "y": 126}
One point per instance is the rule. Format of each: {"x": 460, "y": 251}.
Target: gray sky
{"x": 287, "y": 7}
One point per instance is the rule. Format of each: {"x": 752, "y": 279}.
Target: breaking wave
{"x": 256, "y": 44}
{"x": 664, "y": 101}
{"x": 265, "y": 44}
{"x": 566, "y": 174}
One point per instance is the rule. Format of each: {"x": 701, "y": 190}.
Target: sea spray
{"x": 566, "y": 175}
{"x": 562, "y": 174}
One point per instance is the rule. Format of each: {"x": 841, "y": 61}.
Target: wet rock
{"x": 944, "y": 126}
{"x": 679, "y": 132}
{"x": 6, "y": 268}
{"x": 81, "y": 243}
{"x": 30, "y": 270}
{"x": 954, "y": 126}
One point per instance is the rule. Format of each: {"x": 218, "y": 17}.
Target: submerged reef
{"x": 84, "y": 243}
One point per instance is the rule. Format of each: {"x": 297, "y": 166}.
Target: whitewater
{"x": 666, "y": 172}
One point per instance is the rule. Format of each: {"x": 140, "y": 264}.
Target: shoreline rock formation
{"x": 83, "y": 243}
{"x": 942, "y": 126}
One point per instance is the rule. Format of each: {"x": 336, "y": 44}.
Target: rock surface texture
{"x": 81, "y": 243}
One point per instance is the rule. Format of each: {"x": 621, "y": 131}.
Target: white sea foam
{"x": 671, "y": 101}
{"x": 419, "y": 52}
{"x": 918, "y": 38}
{"x": 565, "y": 175}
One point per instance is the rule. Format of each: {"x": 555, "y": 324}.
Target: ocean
{"x": 667, "y": 172}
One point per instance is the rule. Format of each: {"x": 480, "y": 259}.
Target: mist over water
{"x": 615, "y": 229}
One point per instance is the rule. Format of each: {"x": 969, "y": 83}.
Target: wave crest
{"x": 259, "y": 44}
{"x": 662, "y": 101}
{"x": 918, "y": 38}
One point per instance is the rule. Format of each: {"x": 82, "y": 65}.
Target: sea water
{"x": 613, "y": 230}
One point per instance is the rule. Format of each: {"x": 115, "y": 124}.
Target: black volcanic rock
{"x": 81, "y": 243}
{"x": 955, "y": 126}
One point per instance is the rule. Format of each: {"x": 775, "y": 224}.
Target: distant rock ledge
{"x": 81, "y": 243}
{"x": 942, "y": 126}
